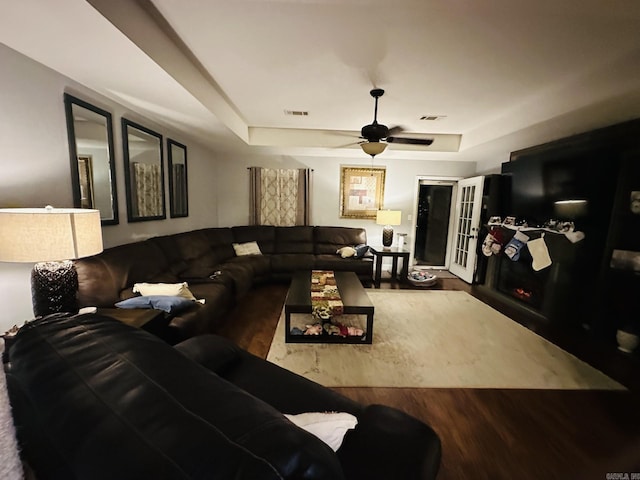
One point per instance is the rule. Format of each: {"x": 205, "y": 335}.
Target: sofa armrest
{"x": 388, "y": 443}
{"x": 211, "y": 351}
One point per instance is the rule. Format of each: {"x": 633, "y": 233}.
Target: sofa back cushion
{"x": 198, "y": 253}
{"x": 116, "y": 402}
{"x": 220, "y": 242}
{"x": 294, "y": 239}
{"x": 265, "y": 235}
{"x": 182, "y": 247}
{"x": 101, "y": 278}
{"x": 329, "y": 239}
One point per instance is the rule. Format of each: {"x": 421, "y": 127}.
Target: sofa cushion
{"x": 421, "y": 454}
{"x": 198, "y": 270}
{"x": 211, "y": 351}
{"x": 207, "y": 317}
{"x": 291, "y": 262}
{"x": 265, "y": 235}
{"x": 242, "y": 275}
{"x": 169, "y": 247}
{"x": 360, "y": 266}
{"x": 191, "y": 245}
{"x": 294, "y": 239}
{"x": 102, "y": 277}
{"x": 119, "y": 403}
{"x": 259, "y": 264}
{"x": 220, "y": 240}
{"x": 329, "y": 239}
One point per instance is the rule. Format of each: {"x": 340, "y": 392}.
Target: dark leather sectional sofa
{"x": 96, "y": 399}
{"x": 206, "y": 260}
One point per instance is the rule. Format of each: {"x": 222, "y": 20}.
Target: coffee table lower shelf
{"x": 367, "y": 338}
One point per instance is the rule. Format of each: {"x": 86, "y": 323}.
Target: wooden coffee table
{"x": 353, "y": 297}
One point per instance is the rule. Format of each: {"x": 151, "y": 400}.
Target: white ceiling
{"x": 504, "y": 72}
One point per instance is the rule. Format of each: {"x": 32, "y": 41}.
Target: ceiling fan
{"x": 375, "y": 132}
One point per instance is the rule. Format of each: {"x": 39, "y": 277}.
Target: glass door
{"x": 468, "y": 205}
{"x": 432, "y": 223}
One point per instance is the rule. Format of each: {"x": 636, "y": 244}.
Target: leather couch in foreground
{"x": 207, "y": 261}
{"x": 95, "y": 399}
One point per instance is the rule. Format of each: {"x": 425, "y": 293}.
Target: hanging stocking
{"x": 539, "y": 253}
{"x": 512, "y": 250}
{"x": 489, "y": 240}
{"x": 498, "y": 240}
{"x": 492, "y": 243}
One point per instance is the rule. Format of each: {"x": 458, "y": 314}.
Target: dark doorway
{"x": 432, "y": 224}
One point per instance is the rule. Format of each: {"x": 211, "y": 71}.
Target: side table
{"x": 394, "y": 252}
{"x": 134, "y": 317}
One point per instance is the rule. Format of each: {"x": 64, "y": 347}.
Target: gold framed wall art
{"x": 361, "y": 191}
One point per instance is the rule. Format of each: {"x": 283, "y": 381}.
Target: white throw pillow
{"x": 346, "y": 252}
{"x": 249, "y": 248}
{"x": 172, "y": 289}
{"x": 330, "y": 427}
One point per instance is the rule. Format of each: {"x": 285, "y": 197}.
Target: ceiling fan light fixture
{"x": 373, "y": 148}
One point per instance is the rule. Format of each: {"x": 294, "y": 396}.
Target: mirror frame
{"x": 69, "y": 102}
{"x": 172, "y": 187}
{"x": 126, "y": 125}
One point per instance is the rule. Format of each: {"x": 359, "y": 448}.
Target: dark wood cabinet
{"x": 622, "y": 278}
{"x": 579, "y": 290}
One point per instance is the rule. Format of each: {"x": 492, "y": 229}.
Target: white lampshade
{"x": 389, "y": 217}
{"x": 49, "y": 234}
{"x": 373, "y": 148}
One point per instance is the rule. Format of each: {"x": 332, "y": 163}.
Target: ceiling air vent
{"x": 296, "y": 113}
{"x": 433, "y": 117}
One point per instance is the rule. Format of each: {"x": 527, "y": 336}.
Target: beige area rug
{"x": 438, "y": 339}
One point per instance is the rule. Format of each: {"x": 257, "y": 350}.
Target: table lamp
{"x": 52, "y": 237}
{"x": 388, "y": 218}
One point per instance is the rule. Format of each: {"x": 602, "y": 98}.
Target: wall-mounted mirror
{"x": 144, "y": 172}
{"x": 178, "y": 192}
{"x": 91, "y": 153}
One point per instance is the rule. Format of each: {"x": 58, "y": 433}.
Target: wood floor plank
{"x": 525, "y": 434}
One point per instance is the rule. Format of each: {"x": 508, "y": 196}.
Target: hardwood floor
{"x": 489, "y": 433}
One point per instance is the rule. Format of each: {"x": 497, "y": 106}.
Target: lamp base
{"x": 53, "y": 288}
{"x": 387, "y": 236}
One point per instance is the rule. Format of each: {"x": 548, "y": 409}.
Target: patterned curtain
{"x": 280, "y": 197}
{"x": 148, "y": 191}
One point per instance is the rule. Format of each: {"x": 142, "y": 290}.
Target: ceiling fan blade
{"x": 351, "y": 144}
{"x": 395, "y": 130}
{"x": 343, "y": 134}
{"x": 410, "y": 141}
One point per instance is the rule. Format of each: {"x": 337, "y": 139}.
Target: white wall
{"x": 35, "y": 166}
{"x": 400, "y": 187}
